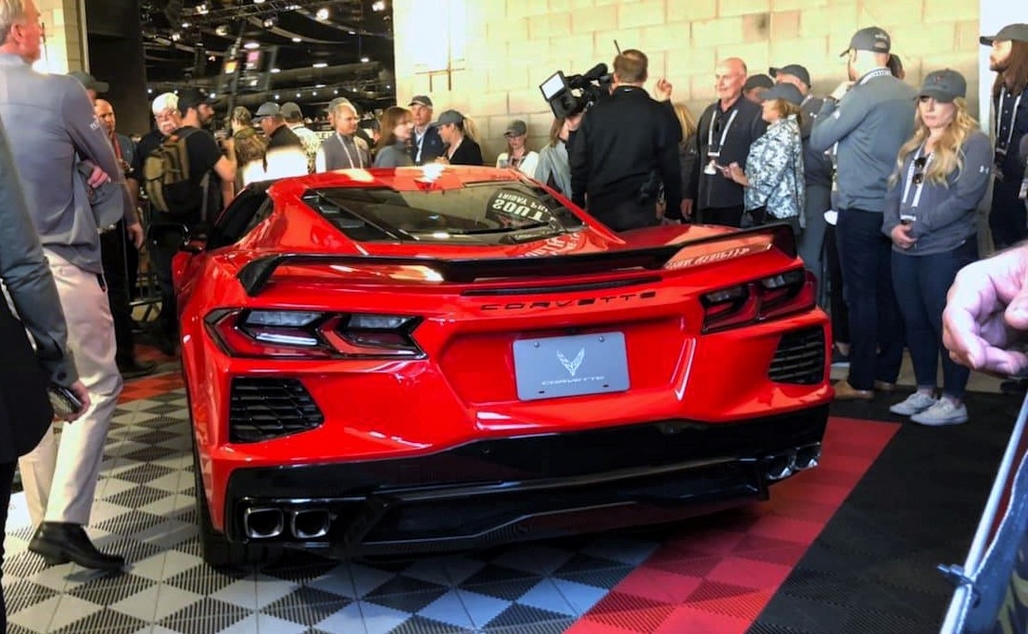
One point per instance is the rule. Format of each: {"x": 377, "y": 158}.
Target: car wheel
{"x": 216, "y": 549}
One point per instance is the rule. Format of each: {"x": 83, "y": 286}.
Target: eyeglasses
{"x": 919, "y": 165}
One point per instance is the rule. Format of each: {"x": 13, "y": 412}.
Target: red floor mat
{"x": 721, "y": 571}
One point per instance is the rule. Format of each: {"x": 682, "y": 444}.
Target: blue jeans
{"x": 876, "y": 327}
{"x": 922, "y": 282}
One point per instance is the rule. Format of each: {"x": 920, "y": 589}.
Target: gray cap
{"x": 800, "y": 72}
{"x": 90, "y": 82}
{"x": 449, "y": 117}
{"x": 267, "y": 109}
{"x": 420, "y": 100}
{"x": 517, "y": 127}
{"x": 788, "y": 92}
{"x": 291, "y": 111}
{"x": 1014, "y": 32}
{"x": 871, "y": 39}
{"x": 943, "y": 85}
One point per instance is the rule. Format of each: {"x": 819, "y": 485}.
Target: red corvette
{"x": 434, "y": 358}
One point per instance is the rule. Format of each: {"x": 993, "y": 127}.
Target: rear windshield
{"x": 477, "y": 213}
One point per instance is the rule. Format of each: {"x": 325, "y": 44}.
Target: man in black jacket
{"x": 726, "y": 130}
{"x": 625, "y": 148}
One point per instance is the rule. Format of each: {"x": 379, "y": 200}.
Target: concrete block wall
{"x": 513, "y": 45}
{"x": 64, "y": 50}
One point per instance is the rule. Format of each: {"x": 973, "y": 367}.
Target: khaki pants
{"x": 60, "y": 478}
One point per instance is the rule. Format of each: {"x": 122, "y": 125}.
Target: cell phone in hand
{"x": 64, "y": 401}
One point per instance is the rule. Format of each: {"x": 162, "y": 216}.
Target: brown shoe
{"x": 882, "y": 386}
{"x": 846, "y": 392}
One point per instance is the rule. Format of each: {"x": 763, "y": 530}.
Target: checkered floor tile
{"x": 714, "y": 572}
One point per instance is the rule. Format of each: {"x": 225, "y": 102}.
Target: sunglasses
{"x": 919, "y": 165}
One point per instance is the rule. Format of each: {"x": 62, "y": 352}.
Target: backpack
{"x": 166, "y": 177}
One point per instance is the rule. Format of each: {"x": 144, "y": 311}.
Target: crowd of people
{"x": 880, "y": 180}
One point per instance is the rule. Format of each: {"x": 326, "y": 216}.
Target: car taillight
{"x": 758, "y": 300}
{"x": 312, "y": 334}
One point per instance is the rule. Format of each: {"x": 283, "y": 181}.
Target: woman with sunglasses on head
{"x": 931, "y": 217}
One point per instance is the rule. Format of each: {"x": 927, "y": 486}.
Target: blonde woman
{"x": 687, "y": 153}
{"x": 553, "y": 168}
{"x": 518, "y": 155}
{"x": 773, "y": 178}
{"x": 458, "y": 134}
{"x": 930, "y": 216}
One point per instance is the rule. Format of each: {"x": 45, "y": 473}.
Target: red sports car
{"x": 419, "y": 359}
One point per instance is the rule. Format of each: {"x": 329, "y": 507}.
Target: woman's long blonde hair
{"x": 946, "y": 155}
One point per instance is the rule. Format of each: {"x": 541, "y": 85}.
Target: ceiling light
{"x": 202, "y": 9}
{"x": 378, "y": 5}
{"x": 297, "y": 39}
{"x": 365, "y": 60}
{"x": 149, "y": 91}
{"x": 319, "y": 85}
{"x": 276, "y": 70}
{"x": 185, "y": 25}
{"x": 297, "y": 95}
{"x": 335, "y": 92}
{"x": 353, "y": 32}
{"x": 221, "y": 30}
{"x": 276, "y": 97}
{"x": 176, "y": 36}
{"x": 320, "y": 64}
{"x": 258, "y": 1}
{"x": 322, "y": 14}
{"x": 271, "y": 22}
{"x": 251, "y": 45}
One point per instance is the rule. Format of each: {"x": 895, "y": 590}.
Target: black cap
{"x": 90, "y": 82}
{"x": 788, "y": 92}
{"x": 795, "y": 70}
{"x": 757, "y": 81}
{"x": 1014, "y": 32}
{"x": 943, "y": 85}
{"x": 871, "y": 39}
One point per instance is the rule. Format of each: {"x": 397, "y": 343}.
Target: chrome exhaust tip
{"x": 781, "y": 466}
{"x": 808, "y": 456}
{"x": 263, "y": 522}
{"x": 309, "y": 523}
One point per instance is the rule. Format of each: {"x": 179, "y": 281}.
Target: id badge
{"x": 711, "y": 168}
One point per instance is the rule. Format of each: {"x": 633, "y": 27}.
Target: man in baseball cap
{"x": 92, "y": 85}
{"x": 426, "y": 143}
{"x": 1009, "y": 33}
{"x": 796, "y": 71}
{"x": 871, "y": 39}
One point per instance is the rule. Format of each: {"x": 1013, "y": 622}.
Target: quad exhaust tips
{"x": 782, "y": 465}
{"x": 268, "y": 522}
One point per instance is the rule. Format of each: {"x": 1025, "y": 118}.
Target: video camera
{"x": 574, "y": 93}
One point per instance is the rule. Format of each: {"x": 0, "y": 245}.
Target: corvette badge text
{"x": 565, "y": 303}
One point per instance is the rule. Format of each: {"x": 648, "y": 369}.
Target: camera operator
{"x": 625, "y": 148}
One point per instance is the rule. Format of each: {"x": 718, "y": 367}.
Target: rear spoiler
{"x": 256, "y": 274}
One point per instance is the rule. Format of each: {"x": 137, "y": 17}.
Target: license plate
{"x": 553, "y": 367}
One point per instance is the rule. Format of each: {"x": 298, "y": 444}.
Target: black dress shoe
{"x": 58, "y": 543}
{"x": 133, "y": 369}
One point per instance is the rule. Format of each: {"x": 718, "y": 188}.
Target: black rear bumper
{"x": 502, "y": 490}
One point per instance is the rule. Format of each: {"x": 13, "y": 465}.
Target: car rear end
{"x": 382, "y": 402}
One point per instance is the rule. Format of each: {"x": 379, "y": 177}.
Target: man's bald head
{"x": 729, "y": 79}
{"x": 105, "y": 113}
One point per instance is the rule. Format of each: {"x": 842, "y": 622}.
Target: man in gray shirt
{"x": 51, "y": 127}
{"x": 867, "y": 119}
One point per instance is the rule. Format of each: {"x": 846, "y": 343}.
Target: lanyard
{"x": 724, "y": 131}
{"x": 360, "y": 161}
{"x": 1001, "y": 147}
{"x": 911, "y": 172}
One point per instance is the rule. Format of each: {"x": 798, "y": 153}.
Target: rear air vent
{"x": 263, "y": 409}
{"x": 800, "y": 358}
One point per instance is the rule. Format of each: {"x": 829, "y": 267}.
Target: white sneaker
{"x": 944, "y": 412}
{"x": 914, "y": 404}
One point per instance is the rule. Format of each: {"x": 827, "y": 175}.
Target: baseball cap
{"x": 795, "y": 70}
{"x": 449, "y": 117}
{"x": 267, "y": 109}
{"x": 517, "y": 127}
{"x": 420, "y": 100}
{"x": 872, "y": 39}
{"x": 1015, "y": 32}
{"x": 757, "y": 81}
{"x": 788, "y": 92}
{"x": 943, "y": 85}
{"x": 90, "y": 82}
{"x": 291, "y": 111}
